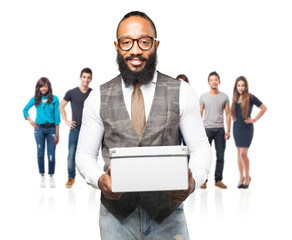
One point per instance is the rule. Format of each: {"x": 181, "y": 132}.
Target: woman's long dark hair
{"x": 245, "y": 99}
{"x": 183, "y": 77}
{"x": 41, "y": 82}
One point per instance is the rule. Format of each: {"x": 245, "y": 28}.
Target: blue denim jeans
{"x": 43, "y": 134}
{"x": 72, "y": 145}
{"x": 218, "y": 134}
{"x": 140, "y": 226}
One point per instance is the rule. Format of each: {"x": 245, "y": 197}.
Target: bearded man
{"x": 165, "y": 106}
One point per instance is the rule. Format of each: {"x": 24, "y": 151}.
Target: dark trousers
{"x": 218, "y": 134}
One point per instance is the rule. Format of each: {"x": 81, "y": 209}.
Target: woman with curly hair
{"x": 46, "y": 126}
{"x": 241, "y": 108}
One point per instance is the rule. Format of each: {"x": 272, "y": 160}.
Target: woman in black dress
{"x": 241, "y": 108}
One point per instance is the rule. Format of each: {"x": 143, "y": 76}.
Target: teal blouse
{"x": 45, "y": 113}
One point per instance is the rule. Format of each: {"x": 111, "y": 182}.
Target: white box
{"x": 139, "y": 169}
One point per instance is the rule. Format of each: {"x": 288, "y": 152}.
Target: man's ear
{"x": 157, "y": 44}
{"x": 116, "y": 45}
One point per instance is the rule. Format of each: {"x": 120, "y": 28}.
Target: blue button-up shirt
{"x": 45, "y": 113}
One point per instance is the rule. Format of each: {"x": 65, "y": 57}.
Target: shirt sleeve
{"x": 89, "y": 141}
{"x": 227, "y": 100}
{"x": 57, "y": 111}
{"x": 67, "y": 96}
{"x": 27, "y": 107}
{"x": 193, "y": 131}
{"x": 256, "y": 101}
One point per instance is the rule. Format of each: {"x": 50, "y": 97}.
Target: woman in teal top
{"x": 46, "y": 126}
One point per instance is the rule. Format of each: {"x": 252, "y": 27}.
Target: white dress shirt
{"x": 191, "y": 127}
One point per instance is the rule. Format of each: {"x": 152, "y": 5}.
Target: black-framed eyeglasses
{"x": 144, "y": 43}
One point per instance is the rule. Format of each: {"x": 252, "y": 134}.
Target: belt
{"x": 47, "y": 125}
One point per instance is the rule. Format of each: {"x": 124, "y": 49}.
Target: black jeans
{"x": 218, "y": 134}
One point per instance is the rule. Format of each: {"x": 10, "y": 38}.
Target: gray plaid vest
{"x": 161, "y": 129}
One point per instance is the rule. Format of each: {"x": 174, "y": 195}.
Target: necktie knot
{"x": 137, "y": 86}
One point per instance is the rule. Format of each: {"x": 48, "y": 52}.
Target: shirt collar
{"x": 154, "y": 80}
{"x": 44, "y": 97}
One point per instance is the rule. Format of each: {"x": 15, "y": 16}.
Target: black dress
{"x": 243, "y": 132}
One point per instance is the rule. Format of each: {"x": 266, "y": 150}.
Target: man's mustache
{"x": 136, "y": 56}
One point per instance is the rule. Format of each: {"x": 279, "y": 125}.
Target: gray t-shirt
{"x": 213, "y": 109}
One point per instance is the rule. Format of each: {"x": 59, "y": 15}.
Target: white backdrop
{"x": 57, "y": 39}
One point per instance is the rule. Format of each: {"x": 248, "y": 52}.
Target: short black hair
{"x": 86, "y": 70}
{"x": 138, "y": 14}
{"x": 214, "y": 73}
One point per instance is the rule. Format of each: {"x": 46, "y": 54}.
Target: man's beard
{"x": 144, "y": 76}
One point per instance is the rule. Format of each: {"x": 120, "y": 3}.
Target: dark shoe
{"x": 220, "y": 184}
{"x": 246, "y": 186}
{"x": 240, "y": 185}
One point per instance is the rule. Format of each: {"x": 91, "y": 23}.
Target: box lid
{"x": 177, "y": 150}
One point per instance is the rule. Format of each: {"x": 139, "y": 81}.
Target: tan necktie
{"x": 138, "y": 110}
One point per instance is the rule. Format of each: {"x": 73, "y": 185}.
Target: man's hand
{"x": 181, "y": 195}
{"x": 227, "y": 135}
{"x": 71, "y": 124}
{"x": 105, "y": 185}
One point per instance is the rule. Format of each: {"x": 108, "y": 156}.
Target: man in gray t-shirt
{"x": 213, "y": 104}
